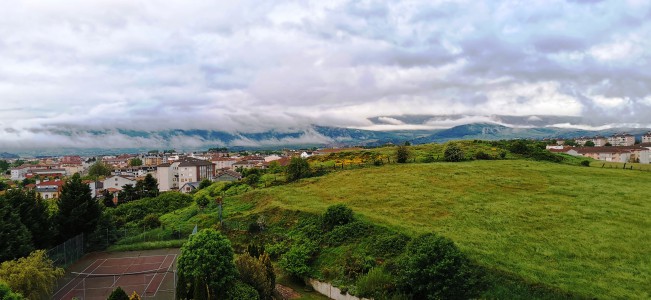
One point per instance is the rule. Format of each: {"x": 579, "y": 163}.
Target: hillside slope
{"x": 583, "y": 230}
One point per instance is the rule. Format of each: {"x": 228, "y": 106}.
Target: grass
{"x": 618, "y": 165}
{"x": 147, "y": 245}
{"x": 575, "y": 229}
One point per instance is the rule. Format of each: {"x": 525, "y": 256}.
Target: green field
{"x": 582, "y": 230}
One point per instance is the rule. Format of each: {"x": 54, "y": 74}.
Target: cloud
{"x": 250, "y": 66}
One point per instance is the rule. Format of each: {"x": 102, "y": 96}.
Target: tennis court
{"x": 151, "y": 274}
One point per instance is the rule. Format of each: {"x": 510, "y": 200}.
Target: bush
{"x": 481, "y": 155}
{"x": 241, "y": 291}
{"x": 432, "y": 267}
{"x": 253, "y": 272}
{"x": 151, "y": 221}
{"x": 389, "y": 245}
{"x": 7, "y": 294}
{"x": 348, "y": 232}
{"x": 402, "y": 154}
{"x": 296, "y": 261}
{"x": 298, "y": 168}
{"x": 202, "y": 201}
{"x": 453, "y": 153}
{"x": 377, "y": 284}
{"x": 356, "y": 265}
{"x": 335, "y": 215}
{"x": 585, "y": 163}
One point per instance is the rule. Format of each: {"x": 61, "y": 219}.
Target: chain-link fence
{"x": 136, "y": 235}
{"x": 68, "y": 252}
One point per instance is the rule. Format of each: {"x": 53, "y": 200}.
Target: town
{"x": 620, "y": 147}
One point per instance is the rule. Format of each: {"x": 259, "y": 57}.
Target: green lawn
{"x": 582, "y": 230}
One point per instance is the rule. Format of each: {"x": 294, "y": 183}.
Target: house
{"x": 622, "y": 139}
{"x": 45, "y": 173}
{"x": 71, "y": 160}
{"x": 188, "y": 187}
{"x": 49, "y": 189}
{"x": 646, "y": 138}
{"x": 227, "y": 175}
{"x": 95, "y": 187}
{"x": 622, "y": 154}
{"x": 244, "y": 164}
{"x": 117, "y": 182}
{"x": 19, "y": 173}
{"x": 306, "y": 154}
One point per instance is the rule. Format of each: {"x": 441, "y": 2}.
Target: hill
{"x": 580, "y": 230}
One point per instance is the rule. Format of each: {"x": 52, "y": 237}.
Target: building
{"x": 188, "y": 187}
{"x": 49, "y": 189}
{"x": 223, "y": 162}
{"x": 117, "y": 182}
{"x": 622, "y": 139}
{"x": 19, "y": 173}
{"x": 623, "y": 154}
{"x": 168, "y": 176}
{"x": 646, "y": 138}
{"x": 195, "y": 170}
{"x": 227, "y": 175}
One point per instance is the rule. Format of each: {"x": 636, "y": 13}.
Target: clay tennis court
{"x": 151, "y": 274}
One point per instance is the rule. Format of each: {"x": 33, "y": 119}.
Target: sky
{"x": 67, "y": 67}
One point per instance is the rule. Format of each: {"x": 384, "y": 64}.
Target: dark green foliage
{"x": 589, "y": 144}
{"x": 204, "y": 184}
{"x": 33, "y": 214}
{"x": 135, "y": 162}
{"x": 252, "y": 179}
{"x": 519, "y": 147}
{"x": 203, "y": 201}
{"x": 355, "y": 265}
{"x": 389, "y": 244}
{"x": 118, "y": 294}
{"x": 252, "y": 272}
{"x": 105, "y": 234}
{"x": 335, "y": 215}
{"x": 402, "y": 154}
{"x": 15, "y": 238}
{"x": 128, "y": 194}
{"x": 151, "y": 221}
{"x": 241, "y": 291}
{"x": 7, "y": 294}
{"x": 453, "y": 153}
{"x": 296, "y": 262}
{"x": 377, "y": 284}
{"x": 78, "y": 211}
{"x": 27, "y": 181}
{"x": 585, "y": 163}
{"x": 432, "y": 267}
{"x": 481, "y": 155}
{"x": 347, "y": 233}
{"x": 4, "y": 165}
{"x": 206, "y": 260}
{"x": 150, "y": 186}
{"x": 298, "y": 168}
{"x": 254, "y": 228}
{"x": 429, "y": 158}
{"x": 271, "y": 275}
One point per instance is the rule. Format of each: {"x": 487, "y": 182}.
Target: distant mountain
{"x": 5, "y": 155}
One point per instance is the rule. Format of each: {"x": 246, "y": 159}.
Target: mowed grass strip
{"x": 582, "y": 230}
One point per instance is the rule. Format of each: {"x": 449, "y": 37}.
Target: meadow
{"x": 580, "y": 230}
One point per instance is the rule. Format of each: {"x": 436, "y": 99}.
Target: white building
{"x": 117, "y": 182}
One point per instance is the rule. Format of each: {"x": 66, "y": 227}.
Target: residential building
{"x": 188, "y": 187}
{"x": 622, "y": 154}
{"x": 168, "y": 176}
{"x": 117, "y": 182}
{"x": 19, "y": 173}
{"x": 195, "y": 170}
{"x": 646, "y": 138}
{"x": 223, "y": 162}
{"x": 622, "y": 139}
{"x": 49, "y": 189}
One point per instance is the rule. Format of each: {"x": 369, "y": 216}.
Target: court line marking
{"x": 84, "y": 271}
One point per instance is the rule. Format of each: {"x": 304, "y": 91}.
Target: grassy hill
{"x": 581, "y": 230}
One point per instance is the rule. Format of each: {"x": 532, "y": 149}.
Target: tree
{"x": 33, "y": 276}
{"x": 402, "y": 154}
{"x": 99, "y": 169}
{"x": 151, "y": 186}
{"x": 7, "y": 294}
{"x": 589, "y": 144}
{"x": 128, "y": 193}
{"x": 3, "y": 186}
{"x": 336, "y": 215}
{"x": 205, "y": 183}
{"x": 432, "y": 267}
{"x": 206, "y": 262}
{"x": 608, "y": 145}
{"x": 4, "y": 165}
{"x": 296, "y": 262}
{"x": 78, "y": 211}
{"x": 135, "y": 162}
{"x": 134, "y": 296}
{"x": 15, "y": 238}
{"x": 33, "y": 212}
{"x": 298, "y": 168}
{"x": 453, "y": 153}
{"x": 252, "y": 272}
{"x": 118, "y": 294}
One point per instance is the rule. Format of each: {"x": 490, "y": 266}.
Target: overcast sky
{"x": 255, "y": 65}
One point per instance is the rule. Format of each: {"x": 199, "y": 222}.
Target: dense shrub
{"x": 402, "y": 154}
{"x": 296, "y": 262}
{"x": 151, "y": 221}
{"x": 137, "y": 210}
{"x": 335, "y": 215}
{"x": 377, "y": 284}
{"x": 389, "y": 244}
{"x": 432, "y": 267}
{"x": 453, "y": 153}
{"x": 7, "y": 294}
{"x": 253, "y": 272}
{"x": 355, "y": 265}
{"x": 298, "y": 168}
{"x": 481, "y": 155}
{"x": 585, "y": 163}
{"x": 241, "y": 291}
{"x": 346, "y": 233}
